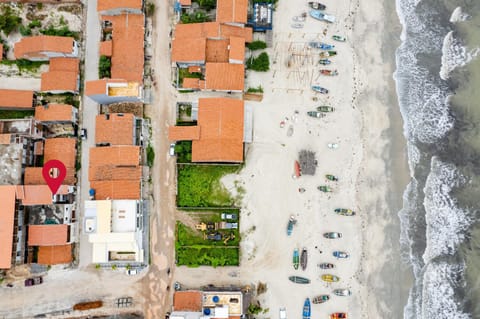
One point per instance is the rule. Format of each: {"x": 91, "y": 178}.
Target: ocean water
{"x": 438, "y": 88}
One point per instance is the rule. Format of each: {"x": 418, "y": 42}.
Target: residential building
{"x": 7, "y": 224}
{"x": 62, "y": 77}
{"x": 117, "y": 129}
{"x": 127, "y": 37}
{"x": 56, "y": 113}
{"x": 218, "y": 304}
{"x": 49, "y": 235}
{"x": 31, "y": 195}
{"x": 44, "y": 47}
{"x": 115, "y": 229}
{"x": 232, "y": 11}
{"x": 262, "y": 17}
{"x": 219, "y": 133}
{"x": 107, "y": 91}
{"x": 17, "y": 99}
{"x": 117, "y": 7}
{"x": 34, "y": 176}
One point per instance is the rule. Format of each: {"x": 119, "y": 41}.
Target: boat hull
{"x": 299, "y": 280}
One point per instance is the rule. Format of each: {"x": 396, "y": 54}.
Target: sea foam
{"x": 454, "y": 55}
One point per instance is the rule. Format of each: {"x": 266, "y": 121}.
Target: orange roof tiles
{"x": 54, "y": 255}
{"x": 99, "y": 86}
{"x": 225, "y": 76}
{"x": 34, "y": 195}
{"x": 47, "y": 235}
{"x": 186, "y": 51}
{"x": 232, "y": 11}
{"x": 104, "y": 5}
{"x": 34, "y": 176}
{"x": 7, "y": 214}
{"x": 54, "y": 112}
{"x": 117, "y": 130}
{"x": 221, "y": 136}
{"x": 5, "y": 139}
{"x": 62, "y": 149}
{"x": 183, "y": 133}
{"x": 64, "y": 64}
{"x": 217, "y": 50}
{"x": 127, "y": 46}
{"x": 121, "y": 189}
{"x": 1, "y": 52}
{"x": 228, "y": 31}
{"x": 106, "y": 48}
{"x": 115, "y": 155}
{"x": 197, "y": 30}
{"x": 16, "y": 99}
{"x": 191, "y": 83}
{"x": 194, "y": 69}
{"x": 112, "y": 173}
{"x": 34, "y": 46}
{"x": 237, "y": 49}
{"x": 186, "y": 2}
{"x": 187, "y": 301}
{"x": 63, "y": 75}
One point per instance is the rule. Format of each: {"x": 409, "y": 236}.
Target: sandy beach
{"x": 369, "y": 162}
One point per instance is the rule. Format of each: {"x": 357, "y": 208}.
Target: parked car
{"x": 283, "y": 313}
{"x": 231, "y": 216}
{"x": 332, "y": 235}
{"x": 132, "y": 272}
{"x": 83, "y": 133}
{"x": 214, "y": 236}
{"x": 33, "y": 281}
{"x": 172, "y": 149}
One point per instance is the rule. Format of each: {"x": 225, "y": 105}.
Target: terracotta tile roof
{"x": 34, "y": 195}
{"x": 1, "y": 52}
{"x": 225, "y": 76}
{"x": 106, "y": 48}
{"x": 54, "y": 255}
{"x": 232, "y": 11}
{"x": 117, "y": 130}
{"x": 186, "y": 51}
{"x": 217, "y": 50}
{"x": 229, "y": 31}
{"x": 43, "y": 43}
{"x": 183, "y": 133}
{"x": 221, "y": 135}
{"x": 111, "y": 173}
{"x": 127, "y": 47}
{"x": 194, "y": 69}
{"x": 99, "y": 86}
{"x": 187, "y": 301}
{"x": 64, "y": 64}
{"x": 63, "y": 75}
{"x": 5, "y": 139}
{"x": 38, "y": 148}
{"x": 115, "y": 155}
{"x": 191, "y": 83}
{"x": 186, "y": 2}
{"x": 16, "y": 99}
{"x": 47, "y": 235}
{"x": 197, "y": 30}
{"x": 121, "y": 189}
{"x": 237, "y": 49}
{"x": 33, "y": 176}
{"x": 62, "y": 149}
{"x": 7, "y": 214}
{"x": 104, "y": 5}
{"x": 54, "y": 112}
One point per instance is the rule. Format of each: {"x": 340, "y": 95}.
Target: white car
{"x": 283, "y": 313}
{"x": 132, "y": 272}
{"x": 172, "y": 149}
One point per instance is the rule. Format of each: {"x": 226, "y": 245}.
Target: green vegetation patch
{"x": 150, "y": 155}
{"x": 4, "y": 115}
{"x": 9, "y": 20}
{"x": 183, "y": 150}
{"x": 104, "y": 67}
{"x": 258, "y": 89}
{"x": 260, "y": 63}
{"x": 63, "y": 31}
{"x": 199, "y": 185}
{"x": 183, "y": 73}
{"x": 196, "y": 17}
{"x": 257, "y": 45}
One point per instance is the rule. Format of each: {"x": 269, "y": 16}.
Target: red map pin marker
{"x": 54, "y": 173}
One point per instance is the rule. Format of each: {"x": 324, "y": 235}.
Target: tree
{"x": 257, "y": 45}
{"x": 104, "y": 66}
{"x": 260, "y": 63}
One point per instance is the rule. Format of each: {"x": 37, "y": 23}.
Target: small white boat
{"x": 333, "y": 146}
{"x": 297, "y": 25}
{"x": 322, "y": 16}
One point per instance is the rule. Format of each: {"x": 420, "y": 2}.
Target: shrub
{"x": 260, "y": 63}
{"x": 258, "y": 89}
{"x": 9, "y": 21}
{"x": 207, "y": 4}
{"x": 61, "y": 32}
{"x": 35, "y": 23}
{"x": 257, "y": 45}
{"x": 104, "y": 66}
{"x": 197, "y": 17}
{"x": 39, "y": 6}
{"x": 150, "y": 155}
{"x": 25, "y": 30}
{"x": 150, "y": 9}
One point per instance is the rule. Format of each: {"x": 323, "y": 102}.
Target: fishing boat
{"x": 330, "y": 278}
{"x": 324, "y": 188}
{"x": 338, "y": 315}
{"x": 326, "y": 54}
{"x": 332, "y": 235}
{"x": 324, "y": 61}
{"x": 317, "y": 6}
{"x": 344, "y": 212}
{"x": 300, "y": 18}
{"x": 291, "y": 222}
{"x": 325, "y": 108}
{"x": 326, "y": 266}
{"x": 322, "y": 16}
{"x": 340, "y": 254}
{"x": 342, "y": 292}
{"x": 296, "y": 258}
{"x": 304, "y": 258}
{"x": 320, "y": 45}
{"x": 339, "y": 38}
{"x": 306, "y": 309}
{"x": 329, "y": 72}
{"x": 315, "y": 114}
{"x": 332, "y": 178}
{"x": 297, "y": 25}
{"x": 319, "y": 89}
{"x": 332, "y": 146}
{"x": 299, "y": 280}
{"x": 320, "y": 299}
